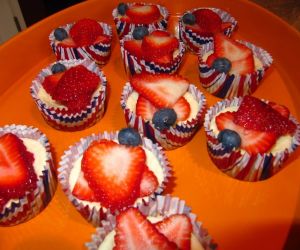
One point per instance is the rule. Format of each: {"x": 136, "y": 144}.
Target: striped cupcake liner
{"x": 240, "y": 164}
{"x": 61, "y": 118}
{"x": 98, "y": 52}
{"x": 194, "y": 41}
{"x": 164, "y": 206}
{"x": 233, "y": 85}
{"x": 172, "y": 138}
{"x": 25, "y": 208}
{"x": 93, "y": 212}
{"x": 124, "y": 28}
{"x": 134, "y": 65}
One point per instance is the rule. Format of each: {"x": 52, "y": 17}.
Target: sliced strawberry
{"x": 134, "y": 231}
{"x": 102, "y": 39}
{"x": 149, "y": 183}
{"x": 281, "y": 109}
{"x": 195, "y": 28}
{"x": 79, "y": 104}
{"x": 143, "y": 14}
{"x": 145, "y": 109}
{"x": 210, "y": 59}
{"x": 166, "y": 59}
{"x": 50, "y": 82}
{"x": 160, "y": 33}
{"x": 82, "y": 190}
{"x": 182, "y": 109}
{"x": 178, "y": 229}
{"x": 251, "y": 140}
{"x": 114, "y": 172}
{"x": 67, "y": 43}
{"x": 208, "y": 20}
{"x": 2, "y": 204}
{"x": 162, "y": 90}
{"x": 17, "y": 174}
{"x": 134, "y": 47}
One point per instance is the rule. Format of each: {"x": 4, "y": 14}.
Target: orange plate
{"x": 239, "y": 215}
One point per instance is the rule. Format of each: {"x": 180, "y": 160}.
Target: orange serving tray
{"x": 239, "y": 215}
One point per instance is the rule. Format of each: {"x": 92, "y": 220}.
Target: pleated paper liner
{"x": 27, "y": 207}
{"x": 124, "y": 28}
{"x": 194, "y": 41}
{"x": 61, "y": 118}
{"x": 233, "y": 85}
{"x": 135, "y": 65}
{"x": 240, "y": 164}
{"x": 164, "y": 206}
{"x": 174, "y": 137}
{"x": 93, "y": 212}
{"x": 97, "y": 52}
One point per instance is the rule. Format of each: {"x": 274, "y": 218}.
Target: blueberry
{"x": 122, "y": 7}
{"x": 139, "y": 32}
{"x": 229, "y": 139}
{"x": 129, "y": 136}
{"x": 164, "y": 118}
{"x": 58, "y": 67}
{"x": 222, "y": 65}
{"x": 60, "y": 34}
{"x": 189, "y": 18}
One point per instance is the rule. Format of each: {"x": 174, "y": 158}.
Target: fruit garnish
{"x": 102, "y": 39}
{"x": 129, "y": 137}
{"x": 164, "y": 118}
{"x": 82, "y": 190}
{"x": 67, "y": 43}
{"x": 17, "y": 175}
{"x": 60, "y": 34}
{"x": 149, "y": 183}
{"x": 85, "y": 31}
{"x": 139, "y": 32}
{"x": 2, "y": 204}
{"x": 178, "y": 229}
{"x": 252, "y": 141}
{"x": 122, "y": 7}
{"x": 162, "y": 90}
{"x": 134, "y": 231}
{"x": 281, "y": 109}
{"x": 114, "y": 172}
{"x": 182, "y": 109}
{"x": 222, "y": 65}
{"x": 208, "y": 20}
{"x": 258, "y": 115}
{"x": 143, "y": 14}
{"x": 229, "y": 139}
{"x": 145, "y": 108}
{"x": 57, "y": 68}
{"x": 134, "y": 47}
{"x": 189, "y": 18}
{"x": 50, "y": 82}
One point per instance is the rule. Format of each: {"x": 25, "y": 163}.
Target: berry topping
{"x": 162, "y": 90}
{"x": 145, "y": 109}
{"x": 85, "y": 32}
{"x": 17, "y": 174}
{"x": 60, "y": 34}
{"x": 229, "y": 139}
{"x": 149, "y": 183}
{"x": 122, "y": 7}
{"x": 139, "y": 32}
{"x": 50, "y": 82}
{"x": 222, "y": 65}
{"x": 189, "y": 18}
{"x": 143, "y": 14}
{"x": 178, "y": 229}
{"x": 67, "y": 43}
{"x": 129, "y": 136}
{"x": 82, "y": 190}
{"x": 2, "y": 204}
{"x": 134, "y": 231}
{"x": 164, "y": 118}
{"x": 182, "y": 109}
{"x": 134, "y": 47}
{"x": 57, "y": 68}
{"x": 114, "y": 172}
{"x": 281, "y": 109}
{"x": 208, "y": 20}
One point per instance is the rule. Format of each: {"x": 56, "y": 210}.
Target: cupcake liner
{"x": 240, "y": 164}
{"x": 98, "y": 52}
{"x": 134, "y": 65}
{"x": 194, "y": 41}
{"x": 124, "y": 28}
{"x": 232, "y": 85}
{"x": 61, "y": 118}
{"x": 163, "y": 206}
{"x": 27, "y": 207}
{"x": 93, "y": 212}
{"x": 174, "y": 137}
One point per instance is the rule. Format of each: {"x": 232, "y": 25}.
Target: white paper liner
{"x": 172, "y": 138}
{"x": 99, "y": 52}
{"x": 240, "y": 164}
{"x": 63, "y": 119}
{"x": 124, "y": 28}
{"x": 93, "y": 212}
{"x": 233, "y": 85}
{"x": 34, "y": 202}
{"x": 164, "y": 206}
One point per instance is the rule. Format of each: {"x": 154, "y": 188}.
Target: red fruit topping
{"x": 160, "y": 33}
{"x": 134, "y": 231}
{"x": 85, "y": 32}
{"x": 82, "y": 190}
{"x": 182, "y": 109}
{"x": 162, "y": 90}
{"x": 102, "y": 39}
{"x": 134, "y": 47}
{"x": 257, "y": 115}
{"x": 145, "y": 109}
{"x": 50, "y": 82}
{"x": 2, "y": 204}
{"x": 281, "y": 109}
{"x": 143, "y": 14}
{"x": 67, "y": 43}
{"x": 166, "y": 59}
{"x": 114, "y": 172}
{"x": 208, "y": 20}
{"x": 149, "y": 183}
{"x": 178, "y": 229}
{"x": 17, "y": 174}
{"x": 195, "y": 28}
{"x": 251, "y": 140}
